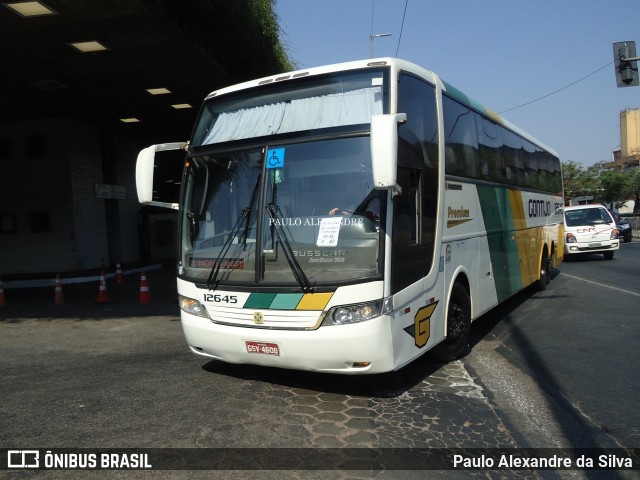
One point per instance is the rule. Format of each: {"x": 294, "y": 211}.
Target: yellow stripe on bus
{"x": 523, "y": 239}
{"x": 314, "y": 301}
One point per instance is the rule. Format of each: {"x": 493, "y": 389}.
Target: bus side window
{"x": 492, "y": 165}
{"x": 461, "y": 152}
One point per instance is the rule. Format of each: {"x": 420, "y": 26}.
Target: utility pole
{"x": 371, "y": 37}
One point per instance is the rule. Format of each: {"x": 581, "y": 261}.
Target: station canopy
{"x": 138, "y": 67}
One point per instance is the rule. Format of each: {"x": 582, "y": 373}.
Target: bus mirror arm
{"x": 384, "y": 150}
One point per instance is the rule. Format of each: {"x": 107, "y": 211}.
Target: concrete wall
{"x": 51, "y": 219}
{"x": 90, "y": 230}
{"x": 36, "y": 197}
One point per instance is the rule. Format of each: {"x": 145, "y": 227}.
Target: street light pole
{"x": 371, "y": 37}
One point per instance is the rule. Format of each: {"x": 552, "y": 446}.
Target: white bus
{"x": 350, "y": 218}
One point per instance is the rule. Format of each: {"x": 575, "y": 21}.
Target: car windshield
{"x": 296, "y": 214}
{"x": 587, "y": 216}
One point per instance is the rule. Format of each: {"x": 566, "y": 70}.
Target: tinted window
{"x": 490, "y": 143}
{"x": 461, "y": 152}
{"x": 478, "y": 148}
{"x": 415, "y": 209}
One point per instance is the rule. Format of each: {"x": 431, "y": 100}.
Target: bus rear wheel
{"x": 545, "y": 276}
{"x": 458, "y": 326}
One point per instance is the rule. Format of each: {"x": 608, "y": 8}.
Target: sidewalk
{"x": 34, "y": 298}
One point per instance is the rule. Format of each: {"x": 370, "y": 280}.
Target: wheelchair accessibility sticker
{"x": 275, "y": 158}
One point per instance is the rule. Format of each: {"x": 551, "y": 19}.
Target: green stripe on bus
{"x": 463, "y": 98}
{"x": 503, "y": 246}
{"x": 259, "y": 300}
{"x": 286, "y": 301}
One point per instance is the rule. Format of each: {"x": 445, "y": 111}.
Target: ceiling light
{"x": 129, "y": 120}
{"x": 158, "y": 91}
{"x": 30, "y": 9}
{"x": 87, "y": 47}
{"x": 181, "y": 106}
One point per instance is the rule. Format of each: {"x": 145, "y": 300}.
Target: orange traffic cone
{"x": 119, "y": 276}
{"x": 103, "y": 297}
{"x": 3, "y": 300}
{"x": 58, "y": 297}
{"x": 145, "y": 294}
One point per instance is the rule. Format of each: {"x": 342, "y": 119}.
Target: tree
{"x": 614, "y": 189}
{"x": 574, "y": 180}
{"x": 634, "y": 187}
{"x": 611, "y": 187}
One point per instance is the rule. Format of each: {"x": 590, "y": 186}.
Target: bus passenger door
{"x": 418, "y": 316}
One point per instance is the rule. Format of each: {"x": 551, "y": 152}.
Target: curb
{"x": 47, "y": 282}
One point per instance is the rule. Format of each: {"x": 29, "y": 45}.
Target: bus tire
{"x": 608, "y": 255}
{"x": 544, "y": 279}
{"x": 458, "y": 326}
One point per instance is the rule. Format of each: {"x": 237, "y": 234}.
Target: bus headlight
{"x": 192, "y": 306}
{"x": 571, "y": 238}
{"x": 614, "y": 234}
{"x": 348, "y": 314}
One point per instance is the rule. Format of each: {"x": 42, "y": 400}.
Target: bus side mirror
{"x": 384, "y": 150}
{"x": 145, "y": 173}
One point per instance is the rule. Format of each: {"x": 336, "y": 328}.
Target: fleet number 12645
{"x": 214, "y": 297}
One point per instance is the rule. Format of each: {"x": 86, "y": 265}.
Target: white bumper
{"x": 332, "y": 349}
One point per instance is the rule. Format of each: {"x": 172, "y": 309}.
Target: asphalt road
{"x": 561, "y": 365}
{"x": 547, "y": 369}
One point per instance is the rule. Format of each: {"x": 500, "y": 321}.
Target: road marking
{"x": 602, "y": 285}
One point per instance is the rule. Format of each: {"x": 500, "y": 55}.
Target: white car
{"x": 590, "y": 229}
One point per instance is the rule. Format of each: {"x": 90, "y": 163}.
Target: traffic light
{"x": 624, "y": 56}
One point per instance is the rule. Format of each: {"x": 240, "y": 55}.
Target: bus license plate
{"x": 264, "y": 348}
{"x": 593, "y": 245}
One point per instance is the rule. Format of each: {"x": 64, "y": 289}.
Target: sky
{"x": 502, "y": 53}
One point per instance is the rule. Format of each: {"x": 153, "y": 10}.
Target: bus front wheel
{"x": 458, "y": 326}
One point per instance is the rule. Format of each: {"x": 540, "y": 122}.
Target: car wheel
{"x": 608, "y": 255}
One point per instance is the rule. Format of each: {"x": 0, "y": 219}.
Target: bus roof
{"x": 396, "y": 63}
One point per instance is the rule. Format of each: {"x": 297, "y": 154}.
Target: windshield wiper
{"x": 297, "y": 270}
{"x": 213, "y": 275}
{"x": 243, "y": 219}
{"x": 251, "y": 202}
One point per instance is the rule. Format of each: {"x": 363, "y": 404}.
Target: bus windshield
{"x": 279, "y": 189}
{"x": 295, "y": 214}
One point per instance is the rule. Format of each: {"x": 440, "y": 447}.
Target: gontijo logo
{"x": 542, "y": 208}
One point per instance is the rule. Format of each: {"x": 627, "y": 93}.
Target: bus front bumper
{"x": 360, "y": 348}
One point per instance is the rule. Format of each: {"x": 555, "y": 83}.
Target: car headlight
{"x": 192, "y": 306}
{"x": 571, "y": 238}
{"x": 348, "y": 314}
{"x": 614, "y": 234}
{"x": 624, "y": 226}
